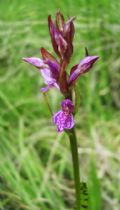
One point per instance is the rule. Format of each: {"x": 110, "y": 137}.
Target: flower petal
{"x": 82, "y": 68}
{"x": 57, "y": 118}
{"x": 37, "y": 62}
{"x": 47, "y": 75}
{"x": 63, "y": 121}
{"x": 54, "y": 67}
{"x": 69, "y": 123}
{"x": 45, "y": 89}
{"x": 87, "y": 63}
{"x": 67, "y": 106}
{"x": 46, "y": 55}
{"x": 51, "y": 62}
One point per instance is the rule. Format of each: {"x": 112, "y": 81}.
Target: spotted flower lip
{"x": 64, "y": 118}
{"x": 81, "y": 68}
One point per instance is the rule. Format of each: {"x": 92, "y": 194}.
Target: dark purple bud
{"x": 84, "y": 66}
{"x": 68, "y": 36}
{"x": 59, "y": 21}
{"x": 54, "y": 35}
{"x": 69, "y": 30}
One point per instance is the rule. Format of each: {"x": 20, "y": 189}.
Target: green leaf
{"x": 94, "y": 189}
{"x": 84, "y": 196}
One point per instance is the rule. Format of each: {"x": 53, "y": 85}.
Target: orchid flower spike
{"x": 54, "y": 71}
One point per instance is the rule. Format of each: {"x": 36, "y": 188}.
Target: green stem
{"x": 46, "y": 100}
{"x": 74, "y": 151}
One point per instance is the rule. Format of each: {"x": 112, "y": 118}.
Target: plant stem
{"x": 74, "y": 151}
{"x": 46, "y": 100}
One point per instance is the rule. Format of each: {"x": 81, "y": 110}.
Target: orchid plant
{"x": 55, "y": 75}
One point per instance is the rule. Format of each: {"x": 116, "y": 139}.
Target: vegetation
{"x": 35, "y": 162}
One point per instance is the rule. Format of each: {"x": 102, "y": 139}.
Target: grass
{"x": 35, "y": 163}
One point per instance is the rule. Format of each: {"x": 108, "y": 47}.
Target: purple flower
{"x": 53, "y": 72}
{"x": 81, "y": 68}
{"x": 49, "y": 69}
{"x": 64, "y": 118}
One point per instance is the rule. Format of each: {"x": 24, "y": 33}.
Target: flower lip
{"x": 64, "y": 119}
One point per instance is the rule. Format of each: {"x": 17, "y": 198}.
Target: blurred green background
{"x": 35, "y": 162}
